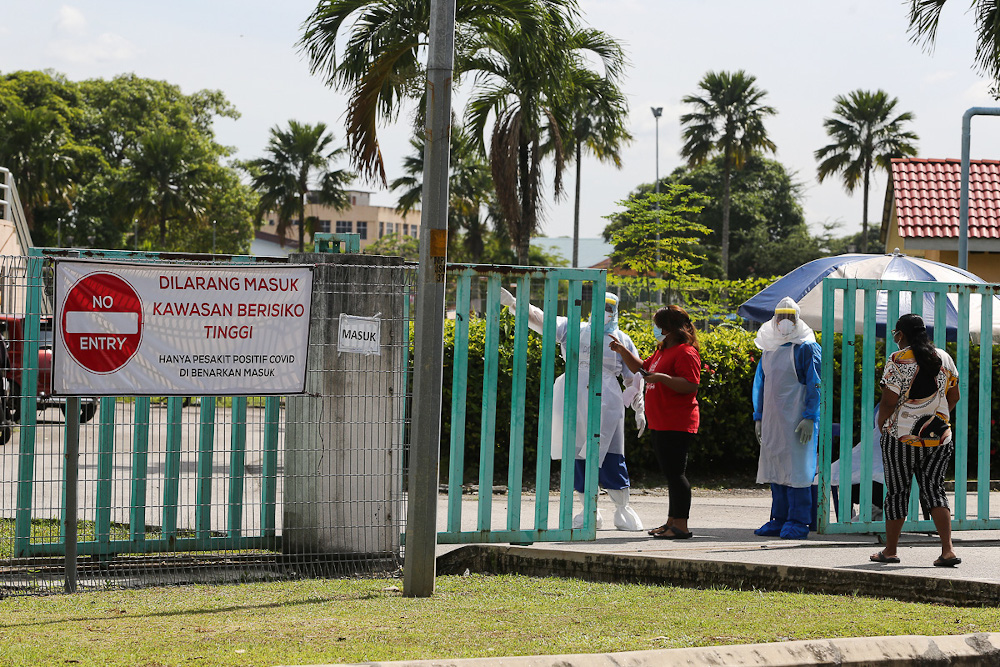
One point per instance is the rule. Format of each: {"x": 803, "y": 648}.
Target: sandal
{"x": 655, "y": 532}
{"x": 880, "y": 557}
{"x": 947, "y": 562}
{"x": 674, "y": 533}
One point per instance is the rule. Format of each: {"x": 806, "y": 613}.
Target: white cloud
{"x": 106, "y": 48}
{"x": 73, "y": 43}
{"x": 979, "y": 94}
{"x": 70, "y": 21}
{"x": 940, "y": 76}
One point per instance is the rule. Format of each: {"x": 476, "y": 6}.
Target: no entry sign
{"x": 147, "y": 329}
{"x": 102, "y": 322}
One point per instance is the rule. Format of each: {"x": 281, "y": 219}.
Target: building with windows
{"x": 362, "y": 218}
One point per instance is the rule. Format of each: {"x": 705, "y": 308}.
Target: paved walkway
{"x": 723, "y": 523}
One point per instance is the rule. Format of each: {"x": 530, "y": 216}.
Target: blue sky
{"x": 803, "y": 52}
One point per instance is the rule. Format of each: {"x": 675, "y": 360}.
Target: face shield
{"x": 787, "y": 326}
{"x": 610, "y": 312}
{"x": 785, "y": 320}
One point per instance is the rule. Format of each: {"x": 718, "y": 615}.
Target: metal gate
{"x": 575, "y": 292}
{"x": 955, "y": 312}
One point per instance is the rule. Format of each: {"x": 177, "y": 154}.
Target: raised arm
{"x": 536, "y": 317}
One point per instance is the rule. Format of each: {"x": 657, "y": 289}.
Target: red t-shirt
{"x": 666, "y": 410}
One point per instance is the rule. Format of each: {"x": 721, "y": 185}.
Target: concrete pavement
{"x": 724, "y": 546}
{"x": 952, "y": 650}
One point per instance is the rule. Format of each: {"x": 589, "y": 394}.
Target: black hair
{"x": 674, "y": 319}
{"x": 928, "y": 361}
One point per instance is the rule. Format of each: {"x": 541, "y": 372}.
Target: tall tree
{"x": 925, "y": 16}
{"x": 866, "y": 135}
{"x": 165, "y": 180}
{"x": 470, "y": 189}
{"x": 120, "y": 111}
{"x": 296, "y": 156}
{"x": 521, "y": 71}
{"x": 595, "y": 116}
{"x": 765, "y": 216}
{"x": 656, "y": 240}
{"x": 371, "y": 49}
{"x": 108, "y": 146}
{"x": 36, "y": 146}
{"x": 728, "y": 120}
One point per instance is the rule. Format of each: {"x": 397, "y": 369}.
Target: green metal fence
{"x": 956, "y": 312}
{"x": 134, "y": 413}
{"x": 573, "y": 283}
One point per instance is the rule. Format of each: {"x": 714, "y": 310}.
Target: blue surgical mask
{"x": 659, "y": 334}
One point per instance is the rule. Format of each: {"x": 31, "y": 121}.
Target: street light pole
{"x": 657, "y": 112}
{"x": 213, "y": 237}
{"x": 428, "y": 349}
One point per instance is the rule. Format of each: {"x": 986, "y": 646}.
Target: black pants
{"x": 902, "y": 462}
{"x": 671, "y": 449}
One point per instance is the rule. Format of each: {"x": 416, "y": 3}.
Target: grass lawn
{"x": 322, "y": 621}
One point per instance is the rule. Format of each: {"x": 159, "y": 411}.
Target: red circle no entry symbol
{"x": 102, "y": 322}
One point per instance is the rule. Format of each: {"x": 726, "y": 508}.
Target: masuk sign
{"x": 179, "y": 329}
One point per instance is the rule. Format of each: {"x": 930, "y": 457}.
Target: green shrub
{"x": 726, "y": 441}
{"x": 725, "y": 444}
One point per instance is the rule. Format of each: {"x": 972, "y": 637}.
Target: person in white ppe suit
{"x": 613, "y": 473}
{"x": 786, "y": 402}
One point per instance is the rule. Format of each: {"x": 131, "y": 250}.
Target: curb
{"x": 904, "y": 650}
{"x": 495, "y": 559}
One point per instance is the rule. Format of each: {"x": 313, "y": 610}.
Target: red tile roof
{"x": 927, "y": 195}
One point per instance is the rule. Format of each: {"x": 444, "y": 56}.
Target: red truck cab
{"x": 13, "y": 334}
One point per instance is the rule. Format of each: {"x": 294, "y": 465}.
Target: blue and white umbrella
{"x": 805, "y": 286}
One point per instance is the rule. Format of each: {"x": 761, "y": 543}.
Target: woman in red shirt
{"x": 673, "y": 374}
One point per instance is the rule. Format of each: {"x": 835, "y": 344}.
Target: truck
{"x": 12, "y": 330}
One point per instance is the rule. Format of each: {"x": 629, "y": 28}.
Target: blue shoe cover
{"x": 770, "y": 529}
{"x": 793, "y": 530}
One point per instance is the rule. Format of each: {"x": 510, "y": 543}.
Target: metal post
{"x": 135, "y": 233}
{"x": 963, "y": 211}
{"x": 421, "y": 516}
{"x": 213, "y": 237}
{"x": 72, "y": 470}
{"x": 657, "y": 112}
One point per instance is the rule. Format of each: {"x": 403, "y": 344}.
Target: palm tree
{"x": 521, "y": 72}
{"x": 595, "y": 119}
{"x": 926, "y": 14}
{"x": 381, "y": 65}
{"x": 165, "y": 180}
{"x": 295, "y": 157}
{"x": 866, "y": 135}
{"x": 470, "y": 187}
{"x": 728, "y": 120}
{"x": 35, "y": 146}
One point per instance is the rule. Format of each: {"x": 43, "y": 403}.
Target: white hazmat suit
{"x": 613, "y": 473}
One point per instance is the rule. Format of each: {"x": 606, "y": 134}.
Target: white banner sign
{"x": 180, "y": 330}
{"x": 360, "y": 335}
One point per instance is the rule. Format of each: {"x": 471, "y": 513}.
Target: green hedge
{"x": 725, "y": 443}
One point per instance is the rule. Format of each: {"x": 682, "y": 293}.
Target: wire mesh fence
{"x": 209, "y": 489}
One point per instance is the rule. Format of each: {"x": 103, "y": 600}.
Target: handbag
{"x": 918, "y": 423}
